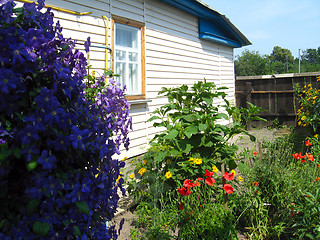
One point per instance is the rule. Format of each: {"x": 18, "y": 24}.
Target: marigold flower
{"x": 228, "y": 188}
{"x": 184, "y": 191}
{"x": 228, "y": 176}
{"x": 318, "y": 179}
{"x": 308, "y": 143}
{"x": 142, "y": 171}
{"x": 168, "y": 175}
{"x": 255, "y": 183}
{"x": 240, "y": 178}
{"x": 215, "y": 169}
{"x": 144, "y": 162}
{"x": 255, "y": 153}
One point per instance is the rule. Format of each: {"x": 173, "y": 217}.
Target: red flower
{"x": 255, "y": 153}
{"x": 181, "y": 206}
{"x": 184, "y": 191}
{"x": 298, "y": 156}
{"x": 228, "y": 176}
{"x": 255, "y": 184}
{"x": 308, "y": 143}
{"x": 310, "y": 157}
{"x": 210, "y": 181}
{"x": 188, "y": 183}
{"x": 208, "y": 173}
{"x": 318, "y": 179}
{"x": 228, "y": 188}
{"x": 319, "y": 165}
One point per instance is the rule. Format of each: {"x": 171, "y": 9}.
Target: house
{"x": 152, "y": 44}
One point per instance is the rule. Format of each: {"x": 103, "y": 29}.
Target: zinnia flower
{"x": 208, "y": 173}
{"x": 255, "y": 153}
{"x": 184, "y": 191}
{"x": 255, "y": 184}
{"x": 168, "y": 175}
{"x": 298, "y": 156}
{"x": 188, "y": 183}
{"x": 228, "y": 188}
{"x": 228, "y": 176}
{"x": 318, "y": 179}
{"x": 210, "y": 181}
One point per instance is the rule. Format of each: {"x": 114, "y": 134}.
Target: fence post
{"x": 248, "y": 99}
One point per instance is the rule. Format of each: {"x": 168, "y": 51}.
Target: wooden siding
{"x": 174, "y": 53}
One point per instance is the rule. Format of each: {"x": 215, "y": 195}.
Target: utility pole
{"x": 299, "y": 61}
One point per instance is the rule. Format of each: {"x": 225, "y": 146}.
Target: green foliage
{"x": 250, "y": 64}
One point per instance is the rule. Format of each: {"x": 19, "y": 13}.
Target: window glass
{"x": 128, "y": 57}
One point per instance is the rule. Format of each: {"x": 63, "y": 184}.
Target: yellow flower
{"x": 215, "y": 169}
{"x": 142, "y": 171}
{"x": 144, "y": 162}
{"x": 131, "y": 176}
{"x": 124, "y": 158}
{"x": 240, "y": 178}
{"x": 234, "y": 172}
{"x": 303, "y": 118}
{"x": 299, "y": 123}
{"x": 316, "y": 135}
{"x": 119, "y": 176}
{"x": 168, "y": 160}
{"x": 318, "y": 78}
{"x": 197, "y": 161}
{"x": 314, "y": 97}
{"x": 168, "y": 175}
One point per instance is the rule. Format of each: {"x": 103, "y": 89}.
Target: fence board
{"x": 275, "y": 94}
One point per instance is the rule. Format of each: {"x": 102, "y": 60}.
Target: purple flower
{"x": 47, "y": 160}
{"x": 87, "y": 45}
{"x": 40, "y": 4}
{"x": 34, "y": 38}
{"x": 8, "y": 80}
{"x": 78, "y": 136}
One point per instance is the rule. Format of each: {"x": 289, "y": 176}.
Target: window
{"x": 128, "y": 58}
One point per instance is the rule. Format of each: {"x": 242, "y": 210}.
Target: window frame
{"x": 141, "y": 26}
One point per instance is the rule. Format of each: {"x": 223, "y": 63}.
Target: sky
{"x": 291, "y": 24}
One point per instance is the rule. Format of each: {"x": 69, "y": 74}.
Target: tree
{"x": 250, "y": 63}
{"x": 281, "y": 60}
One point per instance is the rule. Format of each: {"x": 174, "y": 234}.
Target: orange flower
{"x": 308, "y": 143}
{"x": 255, "y": 184}
{"x": 310, "y": 157}
{"x": 255, "y": 153}
{"x": 298, "y": 156}
{"x": 318, "y": 179}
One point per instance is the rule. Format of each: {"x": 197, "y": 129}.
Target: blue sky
{"x": 290, "y": 24}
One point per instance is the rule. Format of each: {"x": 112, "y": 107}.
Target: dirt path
{"x": 242, "y": 141}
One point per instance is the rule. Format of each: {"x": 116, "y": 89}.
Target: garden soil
{"x": 126, "y": 209}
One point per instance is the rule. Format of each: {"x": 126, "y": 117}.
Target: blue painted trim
{"x": 212, "y": 25}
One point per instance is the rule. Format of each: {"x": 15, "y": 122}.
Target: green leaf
{"x": 41, "y": 228}
{"x": 191, "y": 117}
{"x": 191, "y": 130}
{"x": 4, "y": 154}
{"x": 17, "y": 152}
{"x": 172, "y": 134}
{"x": 32, "y": 206}
{"x": 32, "y": 165}
{"x": 153, "y": 118}
{"x": 76, "y": 231}
{"x": 222, "y": 115}
{"x": 83, "y": 206}
{"x": 203, "y": 127}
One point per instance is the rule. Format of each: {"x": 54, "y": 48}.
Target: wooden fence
{"x": 275, "y": 94}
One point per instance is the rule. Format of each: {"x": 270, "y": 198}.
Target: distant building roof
{"x": 213, "y": 26}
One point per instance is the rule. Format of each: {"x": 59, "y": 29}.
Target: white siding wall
{"x": 174, "y": 53}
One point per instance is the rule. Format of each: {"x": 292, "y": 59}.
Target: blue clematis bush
{"x": 58, "y": 175}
